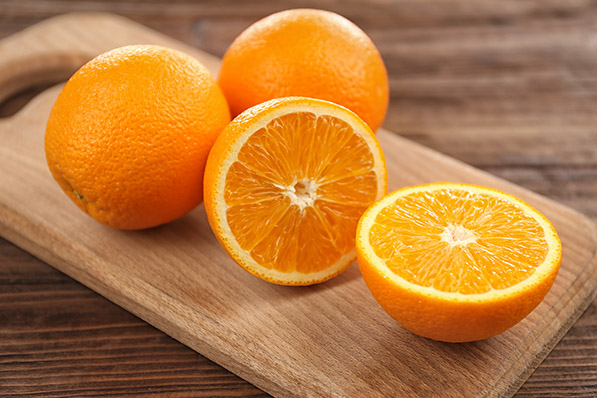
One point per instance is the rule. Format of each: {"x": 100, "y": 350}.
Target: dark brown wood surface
{"x": 509, "y": 87}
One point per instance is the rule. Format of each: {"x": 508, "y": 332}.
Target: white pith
{"x": 457, "y": 235}
{"x": 302, "y": 193}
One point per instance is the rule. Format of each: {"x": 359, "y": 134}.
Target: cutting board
{"x": 329, "y": 340}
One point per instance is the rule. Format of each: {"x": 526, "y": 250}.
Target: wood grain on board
{"x": 577, "y": 188}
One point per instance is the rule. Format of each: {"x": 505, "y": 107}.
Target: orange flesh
{"x": 458, "y": 241}
{"x": 302, "y": 182}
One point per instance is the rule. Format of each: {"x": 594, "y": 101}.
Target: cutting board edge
{"x": 389, "y": 135}
{"x": 585, "y": 300}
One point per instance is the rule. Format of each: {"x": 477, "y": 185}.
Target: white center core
{"x": 456, "y": 235}
{"x": 302, "y": 193}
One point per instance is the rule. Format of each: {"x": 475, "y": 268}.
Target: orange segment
{"x": 286, "y": 185}
{"x": 442, "y": 257}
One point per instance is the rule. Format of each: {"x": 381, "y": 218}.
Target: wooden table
{"x": 507, "y": 86}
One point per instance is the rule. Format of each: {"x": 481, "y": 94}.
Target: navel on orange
{"x": 129, "y": 135}
{"x": 285, "y": 185}
{"x": 457, "y": 262}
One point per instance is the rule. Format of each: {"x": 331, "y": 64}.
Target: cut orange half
{"x": 285, "y": 185}
{"x": 456, "y": 262}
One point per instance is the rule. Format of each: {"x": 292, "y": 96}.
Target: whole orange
{"x": 129, "y": 135}
{"x": 309, "y": 53}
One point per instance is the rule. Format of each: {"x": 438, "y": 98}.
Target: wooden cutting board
{"x": 326, "y": 340}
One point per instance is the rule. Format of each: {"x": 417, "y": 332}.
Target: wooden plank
{"x": 51, "y": 326}
{"x": 272, "y": 336}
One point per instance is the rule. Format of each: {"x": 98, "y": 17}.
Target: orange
{"x": 310, "y": 53}
{"x": 129, "y": 135}
{"x": 285, "y": 185}
{"x": 456, "y": 262}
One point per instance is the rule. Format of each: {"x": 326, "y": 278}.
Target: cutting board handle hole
{"x": 24, "y": 75}
{"x": 13, "y": 104}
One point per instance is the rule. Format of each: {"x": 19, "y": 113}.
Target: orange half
{"x": 457, "y": 262}
{"x": 285, "y": 186}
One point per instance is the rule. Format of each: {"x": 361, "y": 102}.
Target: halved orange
{"x": 457, "y": 262}
{"x": 285, "y": 185}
